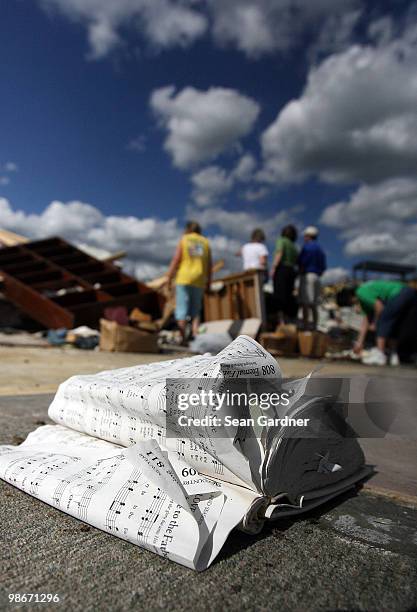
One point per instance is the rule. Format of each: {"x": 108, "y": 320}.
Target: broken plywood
{"x": 59, "y": 285}
{"x": 240, "y": 296}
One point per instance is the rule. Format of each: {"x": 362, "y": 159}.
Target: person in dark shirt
{"x": 283, "y": 274}
{"x": 312, "y": 264}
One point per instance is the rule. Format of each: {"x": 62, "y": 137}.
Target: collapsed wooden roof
{"x": 59, "y": 285}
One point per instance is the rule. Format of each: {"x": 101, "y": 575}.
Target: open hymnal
{"x": 127, "y": 458}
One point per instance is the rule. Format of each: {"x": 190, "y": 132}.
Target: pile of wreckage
{"x": 336, "y": 332}
{"x": 69, "y": 296}
{"x": 73, "y": 296}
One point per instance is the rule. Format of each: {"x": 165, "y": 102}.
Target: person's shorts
{"x": 188, "y": 301}
{"x": 394, "y": 310}
{"x": 310, "y": 289}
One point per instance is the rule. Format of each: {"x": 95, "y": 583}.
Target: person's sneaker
{"x": 375, "y": 357}
{"x": 394, "y": 360}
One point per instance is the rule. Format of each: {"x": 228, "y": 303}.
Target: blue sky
{"x": 277, "y": 111}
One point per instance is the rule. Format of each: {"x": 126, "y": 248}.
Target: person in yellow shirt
{"x": 191, "y": 266}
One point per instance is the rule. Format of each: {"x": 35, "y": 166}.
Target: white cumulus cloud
{"x": 10, "y": 167}
{"x": 202, "y": 124}
{"x": 266, "y": 26}
{"x": 356, "y": 119}
{"x": 245, "y": 168}
{"x": 238, "y": 224}
{"x": 161, "y": 23}
{"x": 395, "y": 199}
{"x": 378, "y": 220}
{"x": 5, "y": 171}
{"x": 382, "y": 244}
{"x": 334, "y": 275}
{"x": 255, "y": 28}
{"x": 212, "y": 183}
{"x": 86, "y": 226}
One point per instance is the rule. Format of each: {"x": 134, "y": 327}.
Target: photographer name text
{"x": 262, "y": 421}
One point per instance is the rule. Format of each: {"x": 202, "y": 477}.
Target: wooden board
{"x": 59, "y": 285}
{"x": 241, "y": 297}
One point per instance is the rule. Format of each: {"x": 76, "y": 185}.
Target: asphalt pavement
{"x": 358, "y": 552}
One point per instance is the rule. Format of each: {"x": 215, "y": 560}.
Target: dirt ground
{"x": 27, "y": 370}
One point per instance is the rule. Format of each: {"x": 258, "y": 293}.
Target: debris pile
{"x": 336, "y": 332}
{"x": 88, "y": 302}
{"x": 61, "y": 286}
{"x": 288, "y": 341}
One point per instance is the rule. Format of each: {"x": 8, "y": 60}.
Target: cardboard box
{"x": 313, "y": 344}
{"x": 139, "y": 316}
{"x": 282, "y": 342}
{"x": 286, "y": 329}
{"x": 150, "y": 327}
{"x": 123, "y": 339}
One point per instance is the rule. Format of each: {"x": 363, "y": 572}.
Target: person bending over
{"x": 385, "y": 305}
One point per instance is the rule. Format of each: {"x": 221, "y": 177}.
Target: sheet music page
{"x": 130, "y": 405}
{"x": 140, "y": 494}
{"x": 113, "y": 462}
{"x": 117, "y": 459}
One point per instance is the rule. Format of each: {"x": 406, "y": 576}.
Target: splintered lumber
{"x": 59, "y": 285}
{"x": 240, "y": 296}
{"x": 8, "y": 239}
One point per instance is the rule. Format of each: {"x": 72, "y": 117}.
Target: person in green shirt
{"x": 284, "y": 272}
{"x": 384, "y": 304}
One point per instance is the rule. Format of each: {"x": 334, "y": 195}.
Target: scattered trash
{"x": 118, "y": 314}
{"x": 87, "y": 343}
{"x": 125, "y": 339}
{"x": 210, "y": 343}
{"x": 213, "y": 336}
{"x": 57, "y": 337}
{"x": 69, "y": 290}
{"x": 346, "y": 354}
{"x": 248, "y": 327}
{"x": 84, "y": 337}
{"x": 137, "y": 316}
{"x": 312, "y": 344}
{"x": 81, "y": 332}
{"x": 169, "y": 338}
{"x": 282, "y": 342}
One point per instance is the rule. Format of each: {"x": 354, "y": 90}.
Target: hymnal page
{"x": 179, "y": 497}
{"x": 119, "y": 460}
{"x": 132, "y": 405}
{"x": 140, "y": 494}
